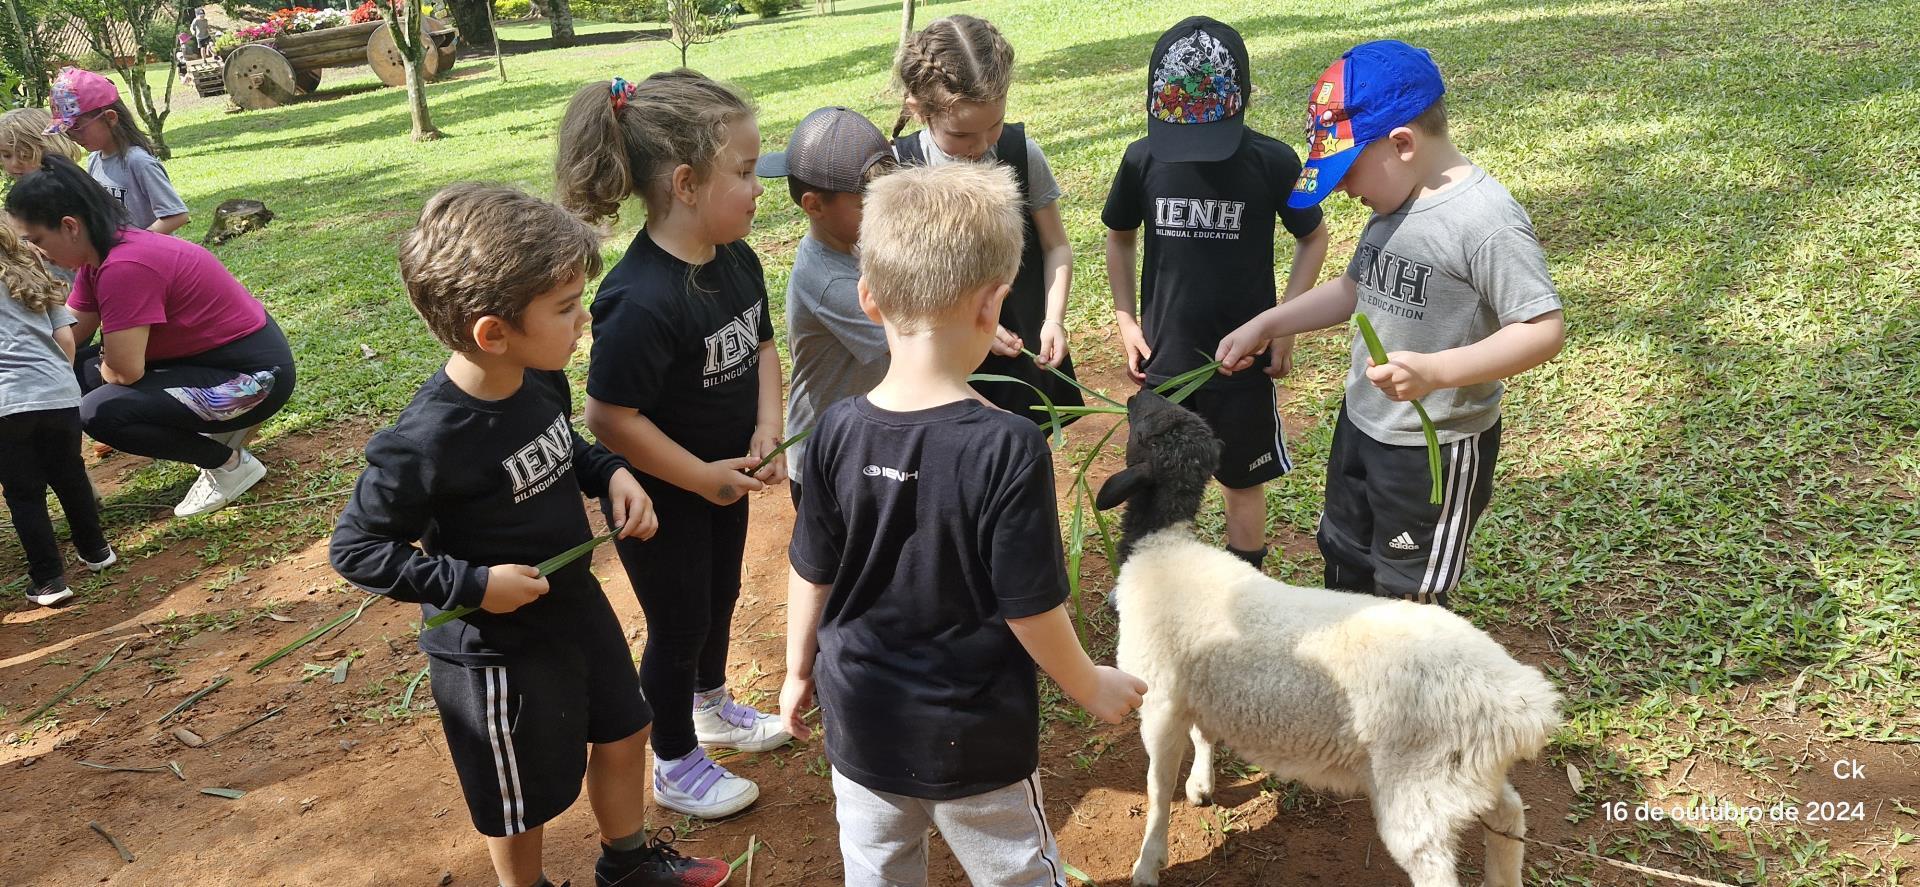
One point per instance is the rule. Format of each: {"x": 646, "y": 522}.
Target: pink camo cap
{"x": 75, "y": 92}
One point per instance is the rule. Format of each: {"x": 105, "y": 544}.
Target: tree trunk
{"x": 423, "y": 130}
{"x": 906, "y": 28}
{"x": 407, "y": 38}
{"x": 538, "y": 8}
{"x": 155, "y": 119}
{"x": 474, "y": 18}
{"x": 560, "y": 17}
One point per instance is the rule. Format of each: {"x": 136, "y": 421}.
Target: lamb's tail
{"x": 1519, "y": 715}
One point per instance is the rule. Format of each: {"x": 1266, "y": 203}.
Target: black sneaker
{"x": 51, "y": 593}
{"x": 657, "y": 865}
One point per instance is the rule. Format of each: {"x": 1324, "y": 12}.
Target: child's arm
{"x": 168, "y": 224}
{"x": 1309, "y": 257}
{"x": 1057, "y": 253}
{"x": 63, "y": 336}
{"x": 170, "y": 212}
{"x": 769, "y": 425}
{"x": 373, "y": 542}
{"x": 805, "y": 602}
{"x": 604, "y": 475}
{"x": 1124, "y": 281}
{"x": 1323, "y": 306}
{"x": 649, "y": 449}
{"x": 1105, "y": 692}
{"x": 1512, "y": 350}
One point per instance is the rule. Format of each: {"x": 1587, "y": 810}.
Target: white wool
{"x": 1407, "y": 703}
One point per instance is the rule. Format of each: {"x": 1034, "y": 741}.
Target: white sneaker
{"x": 102, "y": 563}
{"x": 698, "y": 787}
{"x": 217, "y": 487}
{"x": 50, "y": 594}
{"x": 725, "y": 723}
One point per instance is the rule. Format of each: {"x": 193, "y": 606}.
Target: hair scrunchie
{"x": 621, "y": 90}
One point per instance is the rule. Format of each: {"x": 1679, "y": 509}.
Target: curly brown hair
{"x": 25, "y": 274}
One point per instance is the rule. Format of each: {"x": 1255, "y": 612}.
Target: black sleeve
{"x": 373, "y": 543}
{"x": 1027, "y": 566}
{"x": 819, "y": 529}
{"x": 634, "y": 343}
{"x": 1123, "y": 211}
{"x": 1283, "y": 170}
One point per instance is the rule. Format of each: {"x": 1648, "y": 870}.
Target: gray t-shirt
{"x": 837, "y": 352}
{"x": 1442, "y": 272}
{"x": 1043, "y": 190}
{"x": 34, "y": 373}
{"x": 140, "y": 182}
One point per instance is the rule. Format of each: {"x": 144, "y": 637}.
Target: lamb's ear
{"x": 1122, "y": 486}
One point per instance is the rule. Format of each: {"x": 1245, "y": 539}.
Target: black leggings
{"x": 687, "y": 578}
{"x": 42, "y": 449}
{"x": 149, "y": 417}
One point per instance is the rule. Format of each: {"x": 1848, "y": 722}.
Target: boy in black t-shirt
{"x": 484, "y": 471}
{"x": 927, "y": 572}
{"x": 1209, "y": 190}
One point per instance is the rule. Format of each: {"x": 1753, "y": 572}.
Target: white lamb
{"x": 1406, "y": 703}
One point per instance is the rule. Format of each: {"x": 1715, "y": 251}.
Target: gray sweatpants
{"x": 1000, "y": 837}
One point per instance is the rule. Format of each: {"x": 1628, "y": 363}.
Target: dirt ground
{"x": 344, "y": 787}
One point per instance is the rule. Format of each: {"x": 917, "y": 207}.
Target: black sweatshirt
{"x": 476, "y": 483}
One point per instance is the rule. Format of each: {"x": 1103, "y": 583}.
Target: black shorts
{"x": 518, "y": 728}
{"x": 1380, "y": 532}
{"x": 1245, "y": 418}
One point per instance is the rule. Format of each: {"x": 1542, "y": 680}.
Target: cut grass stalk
{"x": 110, "y": 768}
{"x": 125, "y": 854}
{"x": 196, "y": 697}
{"x": 406, "y": 700}
{"x": 1056, "y": 429}
{"x": 312, "y": 636}
{"x": 73, "y": 686}
{"x": 246, "y": 726}
{"x": 544, "y": 568}
{"x": 777, "y": 451}
{"x": 1084, "y": 388}
{"x": 1379, "y": 355}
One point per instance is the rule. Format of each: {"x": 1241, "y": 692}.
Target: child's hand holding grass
{"x": 1133, "y": 342}
{"x": 769, "y": 464}
{"x": 728, "y": 480}
{"x": 1005, "y": 343}
{"x": 1407, "y": 375}
{"x": 512, "y": 586}
{"x": 1240, "y": 347}
{"x": 633, "y": 516}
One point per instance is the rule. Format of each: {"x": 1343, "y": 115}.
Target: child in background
{"x": 484, "y": 471}
{"x": 956, "y": 75}
{"x": 837, "y": 351}
{"x": 40, "y": 423}
{"x": 1453, "y": 279}
{"x": 24, "y": 140}
{"x": 927, "y": 572}
{"x": 1209, "y": 190}
{"x": 88, "y": 109}
{"x": 685, "y": 384}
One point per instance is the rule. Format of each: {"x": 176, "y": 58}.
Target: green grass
{"x": 1706, "y": 505}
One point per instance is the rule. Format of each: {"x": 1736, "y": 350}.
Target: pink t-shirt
{"x": 188, "y": 301}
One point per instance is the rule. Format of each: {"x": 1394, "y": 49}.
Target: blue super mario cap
{"x": 1371, "y": 90}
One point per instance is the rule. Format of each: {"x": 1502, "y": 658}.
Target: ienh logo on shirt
{"x": 1187, "y": 217}
{"x": 542, "y": 461}
{"x": 1400, "y": 279}
{"x": 730, "y": 347}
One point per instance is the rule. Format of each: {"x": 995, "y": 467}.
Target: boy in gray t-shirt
{"x": 837, "y": 350}
{"x": 1452, "y": 278}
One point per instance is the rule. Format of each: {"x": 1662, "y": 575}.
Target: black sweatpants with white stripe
{"x": 1381, "y": 534}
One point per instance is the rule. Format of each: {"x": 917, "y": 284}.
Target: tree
{"x": 906, "y": 31}
{"x": 23, "y": 53}
{"x": 125, "y": 32}
{"x": 474, "y": 18}
{"x": 412, "y": 44}
{"x": 691, "y": 26}
{"x": 560, "y": 19}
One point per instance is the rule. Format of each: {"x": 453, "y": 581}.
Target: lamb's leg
{"x": 1504, "y": 855}
{"x": 1418, "y": 828}
{"x": 1161, "y": 733}
{"x": 1200, "y": 779}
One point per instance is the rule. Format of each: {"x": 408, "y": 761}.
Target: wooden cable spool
{"x": 258, "y": 76}
{"x": 385, "y": 59}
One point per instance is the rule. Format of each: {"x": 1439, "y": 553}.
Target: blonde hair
{"x": 483, "y": 250}
{"x": 959, "y": 58}
{"x": 23, "y": 133}
{"x": 25, "y": 274}
{"x": 931, "y": 235}
{"x": 608, "y": 154}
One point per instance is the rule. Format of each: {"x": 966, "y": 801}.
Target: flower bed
{"x": 295, "y": 20}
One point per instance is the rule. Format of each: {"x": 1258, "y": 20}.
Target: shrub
{"x": 769, "y": 8}
{"x": 514, "y": 8}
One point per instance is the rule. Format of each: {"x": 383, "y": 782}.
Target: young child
{"x": 483, "y": 470}
{"x": 685, "y": 384}
{"x": 956, "y": 75}
{"x": 1450, "y": 274}
{"x": 40, "y": 423}
{"x": 927, "y": 572}
{"x": 24, "y": 140}
{"x": 837, "y": 351}
{"x": 1210, "y": 189}
{"x": 87, "y": 108}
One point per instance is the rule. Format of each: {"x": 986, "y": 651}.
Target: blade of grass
{"x": 777, "y": 451}
{"x": 1057, "y": 432}
{"x": 1073, "y": 872}
{"x": 1084, "y": 388}
{"x": 113, "y": 769}
{"x": 1187, "y": 378}
{"x": 118, "y": 847}
{"x": 231, "y": 794}
{"x": 1194, "y": 384}
{"x": 406, "y": 700}
{"x": 274, "y": 713}
{"x": 196, "y": 697}
{"x": 74, "y": 686}
{"x": 1076, "y": 546}
{"x": 544, "y": 568}
{"x": 312, "y": 636}
{"x": 1081, "y": 411}
{"x": 1379, "y": 355}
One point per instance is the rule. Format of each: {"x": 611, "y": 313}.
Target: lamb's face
{"x": 1171, "y": 453}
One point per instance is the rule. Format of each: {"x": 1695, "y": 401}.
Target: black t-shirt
{"x": 1209, "y": 264}
{"x": 683, "y": 346}
{"x": 933, "y": 528}
{"x": 475, "y": 483}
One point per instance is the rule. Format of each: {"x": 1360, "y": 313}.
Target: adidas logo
{"x": 1404, "y": 542}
